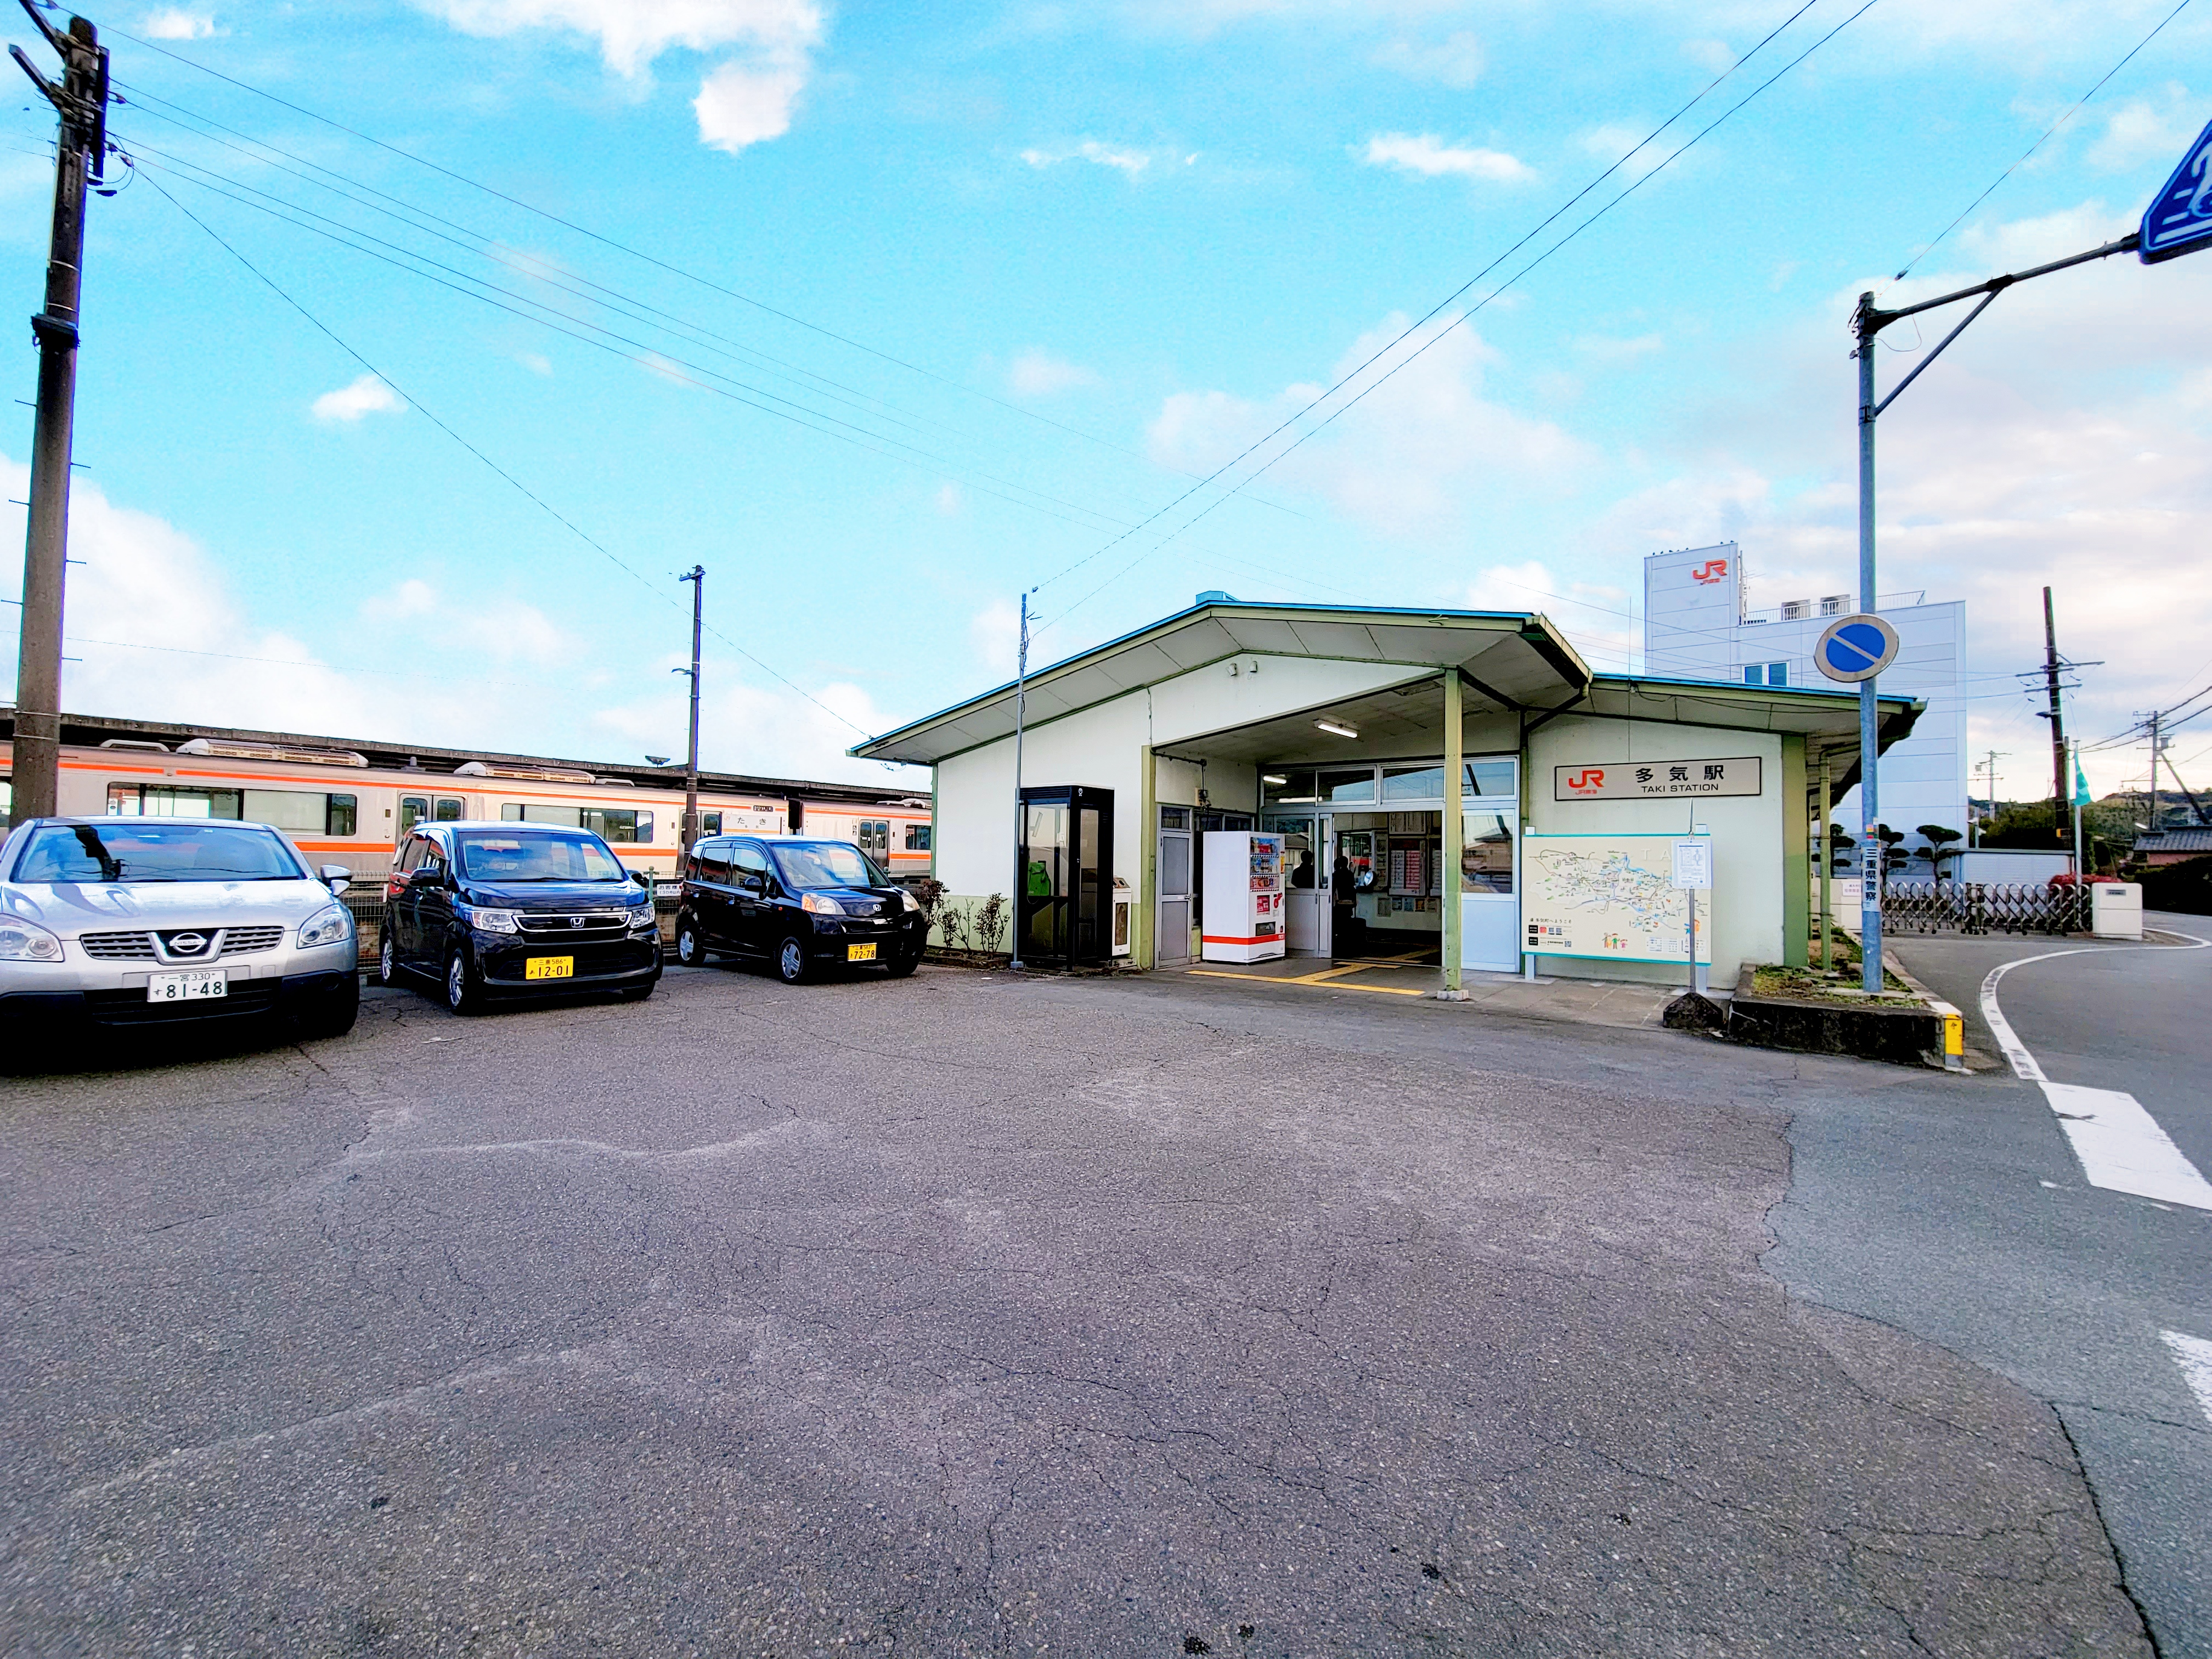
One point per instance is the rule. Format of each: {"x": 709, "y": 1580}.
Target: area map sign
{"x": 1612, "y": 897}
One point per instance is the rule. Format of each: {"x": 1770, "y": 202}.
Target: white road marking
{"x": 2194, "y": 1355}
{"x": 2120, "y": 1145}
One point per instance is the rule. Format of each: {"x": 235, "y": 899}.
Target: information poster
{"x": 1610, "y": 896}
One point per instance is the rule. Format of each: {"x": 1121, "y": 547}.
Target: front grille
{"x": 130, "y": 1007}
{"x": 118, "y": 947}
{"x": 243, "y": 941}
{"x": 559, "y": 927}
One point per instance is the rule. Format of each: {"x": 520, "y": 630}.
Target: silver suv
{"x": 145, "y": 921}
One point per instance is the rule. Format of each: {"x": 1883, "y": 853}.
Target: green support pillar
{"x": 1455, "y": 835}
{"x": 1142, "y": 948}
{"x": 1796, "y": 862}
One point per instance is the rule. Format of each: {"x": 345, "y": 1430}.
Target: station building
{"x": 1403, "y": 743}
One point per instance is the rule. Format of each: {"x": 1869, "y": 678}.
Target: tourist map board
{"x": 1610, "y": 897}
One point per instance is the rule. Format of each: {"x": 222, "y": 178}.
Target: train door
{"x": 413, "y": 810}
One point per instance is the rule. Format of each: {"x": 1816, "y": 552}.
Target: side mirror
{"x": 751, "y": 884}
{"x": 337, "y": 876}
{"x": 640, "y": 877}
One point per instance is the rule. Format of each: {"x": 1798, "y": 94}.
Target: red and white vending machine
{"x": 1243, "y": 919}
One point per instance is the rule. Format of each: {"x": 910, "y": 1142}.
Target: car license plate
{"x": 859, "y": 953}
{"x": 550, "y": 968}
{"x": 202, "y": 985}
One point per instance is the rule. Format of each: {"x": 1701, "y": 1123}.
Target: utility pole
{"x": 2059, "y": 792}
{"x": 1021, "y": 699}
{"x": 2073, "y": 798}
{"x": 697, "y": 577}
{"x": 2155, "y": 823}
{"x": 1989, "y": 771}
{"x": 80, "y": 147}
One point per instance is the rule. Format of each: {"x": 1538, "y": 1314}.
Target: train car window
{"x": 161, "y": 800}
{"x": 340, "y": 814}
{"x": 570, "y": 817}
{"x": 293, "y": 810}
{"x": 917, "y": 838}
{"x": 449, "y": 809}
{"x": 616, "y": 823}
{"x": 413, "y": 809}
{"x": 710, "y": 823}
{"x": 510, "y": 812}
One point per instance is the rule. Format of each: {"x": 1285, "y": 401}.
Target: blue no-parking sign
{"x": 1856, "y": 649}
{"x": 2179, "y": 217}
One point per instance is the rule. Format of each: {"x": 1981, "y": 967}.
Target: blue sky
{"x": 1022, "y": 270}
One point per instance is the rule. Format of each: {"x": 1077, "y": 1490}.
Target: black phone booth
{"x": 1064, "y": 875}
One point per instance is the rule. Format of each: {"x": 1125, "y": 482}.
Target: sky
{"x": 428, "y": 341}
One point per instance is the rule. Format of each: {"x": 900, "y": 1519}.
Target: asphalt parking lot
{"x": 968, "y": 1315}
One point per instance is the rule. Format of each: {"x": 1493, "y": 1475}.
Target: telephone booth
{"x": 1064, "y": 875}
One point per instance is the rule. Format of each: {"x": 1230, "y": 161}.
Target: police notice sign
{"x": 1654, "y": 780}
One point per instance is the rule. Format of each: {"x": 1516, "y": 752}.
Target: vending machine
{"x": 1242, "y": 916}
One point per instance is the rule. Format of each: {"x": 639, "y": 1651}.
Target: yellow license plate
{"x": 859, "y": 953}
{"x": 550, "y": 968}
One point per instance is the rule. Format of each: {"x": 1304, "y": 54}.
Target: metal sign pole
{"x": 1871, "y": 850}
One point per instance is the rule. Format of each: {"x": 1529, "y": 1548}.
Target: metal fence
{"x": 1984, "y": 907}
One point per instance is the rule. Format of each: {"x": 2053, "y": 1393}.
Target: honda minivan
{"x": 484, "y": 910}
{"x": 799, "y": 905}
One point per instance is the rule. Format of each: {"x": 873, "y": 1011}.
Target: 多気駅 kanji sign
{"x": 1655, "y": 780}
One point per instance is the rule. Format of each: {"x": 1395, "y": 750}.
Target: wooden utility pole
{"x": 80, "y": 147}
{"x": 2059, "y": 792}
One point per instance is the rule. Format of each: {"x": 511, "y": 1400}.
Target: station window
{"x": 1347, "y": 785}
{"x": 1766, "y": 673}
{"x": 917, "y": 838}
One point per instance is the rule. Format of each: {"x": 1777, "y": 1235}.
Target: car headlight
{"x": 23, "y": 941}
{"x": 820, "y": 904}
{"x": 912, "y": 902}
{"x": 331, "y": 925}
{"x": 642, "y": 918}
{"x": 488, "y": 921}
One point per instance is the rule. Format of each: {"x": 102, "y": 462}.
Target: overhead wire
{"x": 2072, "y": 110}
{"x": 539, "y": 502}
{"x": 1440, "y": 334}
{"x": 654, "y": 260}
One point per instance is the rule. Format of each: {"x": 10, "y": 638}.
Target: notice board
{"x": 1610, "y": 897}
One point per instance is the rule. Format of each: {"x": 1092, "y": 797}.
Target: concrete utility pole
{"x": 1989, "y": 771}
{"x": 1021, "y": 699}
{"x": 2060, "y": 793}
{"x": 2153, "y": 769}
{"x": 697, "y": 577}
{"x": 80, "y": 147}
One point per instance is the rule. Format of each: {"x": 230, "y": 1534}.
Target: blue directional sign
{"x": 1856, "y": 649}
{"x": 2179, "y": 220}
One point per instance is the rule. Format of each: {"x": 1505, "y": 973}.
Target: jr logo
{"x": 1710, "y": 571}
{"x": 1590, "y": 777}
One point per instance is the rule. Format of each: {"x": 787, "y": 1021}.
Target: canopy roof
{"x": 1513, "y": 663}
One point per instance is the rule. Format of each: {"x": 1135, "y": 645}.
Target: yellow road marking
{"x": 1320, "y": 980}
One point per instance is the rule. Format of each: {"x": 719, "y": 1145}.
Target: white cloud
{"x": 1618, "y": 141}
{"x": 1607, "y": 349}
{"x": 365, "y": 396}
{"x": 1430, "y": 158}
{"x": 1037, "y": 374}
{"x": 1594, "y": 616}
{"x": 175, "y": 23}
{"x": 1131, "y": 163}
{"x": 1455, "y": 61}
{"x": 1412, "y": 461}
{"x": 501, "y": 631}
{"x": 536, "y": 362}
{"x": 745, "y": 99}
{"x": 775, "y": 732}
{"x": 412, "y": 597}
{"x": 949, "y": 500}
{"x": 2146, "y": 130}
{"x": 1713, "y": 54}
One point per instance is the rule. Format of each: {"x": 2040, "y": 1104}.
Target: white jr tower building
{"x": 1698, "y": 625}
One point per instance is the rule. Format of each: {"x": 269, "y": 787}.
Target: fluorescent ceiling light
{"x": 1272, "y": 777}
{"x": 1337, "y": 729}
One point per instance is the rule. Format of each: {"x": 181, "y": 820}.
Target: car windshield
{"x": 825, "y": 863}
{"x": 493, "y": 855}
{"x": 141, "y": 850}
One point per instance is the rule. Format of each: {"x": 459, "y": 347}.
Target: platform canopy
{"x": 1511, "y": 663}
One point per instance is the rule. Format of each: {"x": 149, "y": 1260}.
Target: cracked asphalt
{"x": 969, "y": 1315}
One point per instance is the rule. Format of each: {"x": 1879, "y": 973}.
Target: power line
{"x": 2072, "y": 111}
{"x": 636, "y": 253}
{"x": 1422, "y": 321}
{"x": 1383, "y": 379}
{"x": 524, "y": 490}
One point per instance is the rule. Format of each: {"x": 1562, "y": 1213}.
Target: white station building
{"x": 1699, "y": 624}
{"x": 1386, "y": 749}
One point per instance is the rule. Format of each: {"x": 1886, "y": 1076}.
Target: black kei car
{"x": 511, "y": 909}
{"x": 799, "y": 905}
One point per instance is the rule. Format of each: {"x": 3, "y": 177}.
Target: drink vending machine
{"x": 1243, "y": 917}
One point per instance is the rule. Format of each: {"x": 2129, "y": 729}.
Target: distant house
{"x": 2158, "y": 847}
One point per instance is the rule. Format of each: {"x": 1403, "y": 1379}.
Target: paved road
{"x": 962, "y": 1314}
{"x": 1976, "y": 1228}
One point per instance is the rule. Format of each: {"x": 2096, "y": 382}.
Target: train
{"x": 350, "y": 802}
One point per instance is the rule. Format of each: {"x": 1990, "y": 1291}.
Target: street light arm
{"x": 1871, "y": 320}
{"x": 1987, "y": 300}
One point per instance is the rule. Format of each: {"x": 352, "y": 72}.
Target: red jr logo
{"x": 1590, "y": 777}
{"x": 1710, "y": 571}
